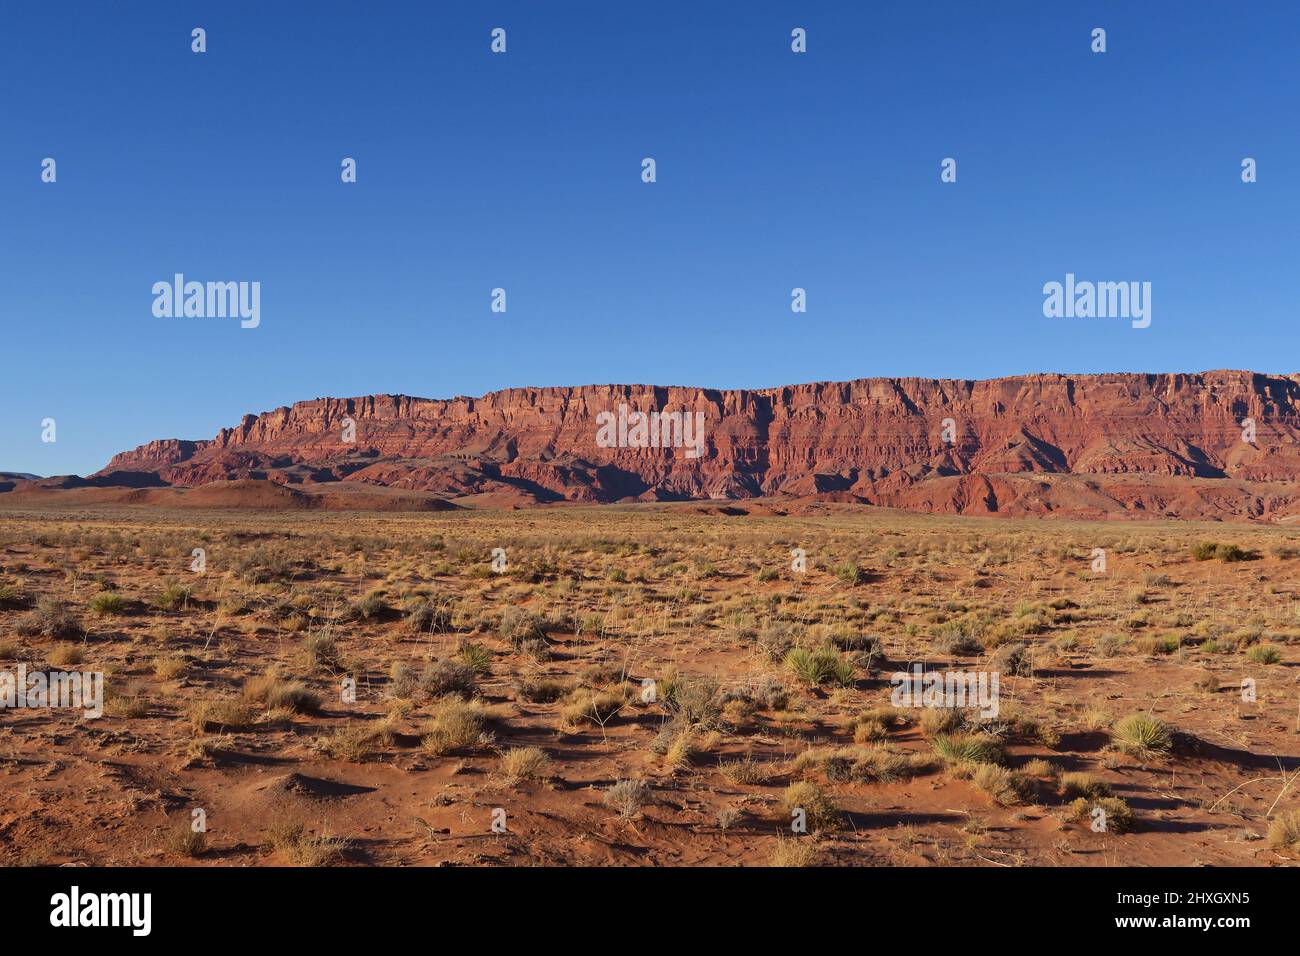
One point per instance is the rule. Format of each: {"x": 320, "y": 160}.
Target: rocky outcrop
{"x": 1032, "y": 444}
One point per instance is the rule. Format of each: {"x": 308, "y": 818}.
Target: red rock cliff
{"x": 1025, "y": 444}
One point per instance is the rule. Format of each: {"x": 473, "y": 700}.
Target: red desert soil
{"x": 701, "y": 598}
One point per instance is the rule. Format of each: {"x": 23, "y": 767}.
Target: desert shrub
{"x": 707, "y": 570}
{"x": 322, "y": 651}
{"x": 541, "y": 690}
{"x": 118, "y": 703}
{"x": 518, "y": 625}
{"x": 1108, "y": 645}
{"x": 538, "y": 650}
{"x": 181, "y": 840}
{"x": 1083, "y": 785}
{"x": 585, "y": 705}
{"x": 962, "y": 645}
{"x": 824, "y": 665}
{"x": 627, "y": 797}
{"x": 290, "y": 837}
{"x": 1014, "y": 660}
{"x": 456, "y": 725}
{"x": 108, "y": 603}
{"x": 476, "y": 657}
{"x": 728, "y": 817}
{"x": 880, "y": 765}
{"x": 676, "y": 744}
{"x": 600, "y": 674}
{"x": 1032, "y": 729}
{"x": 969, "y": 748}
{"x": 775, "y": 640}
{"x": 173, "y": 595}
{"x": 425, "y": 617}
{"x": 942, "y": 720}
{"x": 1143, "y": 735}
{"x": 851, "y": 574}
{"x": 170, "y": 666}
{"x": 818, "y": 807}
{"x": 845, "y": 637}
{"x": 1264, "y": 654}
{"x": 1156, "y": 646}
{"x": 263, "y": 565}
{"x": 215, "y": 716}
{"x": 769, "y": 693}
{"x": 745, "y": 771}
{"x": 1284, "y": 831}
{"x": 525, "y": 763}
{"x": 1118, "y": 816}
{"x": 737, "y": 711}
{"x": 1242, "y": 637}
{"x": 1209, "y": 550}
{"x": 10, "y": 597}
{"x": 370, "y": 606}
{"x": 273, "y": 693}
{"x": 692, "y": 700}
{"x": 1038, "y": 767}
{"x": 66, "y": 655}
{"x": 1003, "y": 786}
{"x": 1205, "y": 551}
{"x": 793, "y": 853}
{"x": 50, "y": 618}
{"x": 401, "y": 680}
{"x": 357, "y": 741}
{"x": 875, "y": 724}
{"x": 443, "y": 677}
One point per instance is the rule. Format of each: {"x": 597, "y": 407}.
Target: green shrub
{"x": 1264, "y": 654}
{"x": 1143, "y": 735}
{"x": 822, "y": 666}
{"x": 108, "y": 603}
{"x": 969, "y": 748}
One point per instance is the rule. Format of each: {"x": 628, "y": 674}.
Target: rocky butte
{"x": 1210, "y": 445}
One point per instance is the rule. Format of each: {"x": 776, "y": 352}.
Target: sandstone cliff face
{"x": 1033, "y": 444}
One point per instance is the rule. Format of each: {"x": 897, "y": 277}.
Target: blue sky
{"x": 522, "y": 171}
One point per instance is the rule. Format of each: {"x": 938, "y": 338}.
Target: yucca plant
{"x": 108, "y": 604}
{"x": 824, "y": 665}
{"x": 969, "y": 748}
{"x": 1143, "y": 735}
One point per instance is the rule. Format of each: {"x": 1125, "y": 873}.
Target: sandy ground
{"x": 686, "y": 596}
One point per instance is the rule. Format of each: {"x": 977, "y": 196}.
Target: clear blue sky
{"x": 522, "y": 170}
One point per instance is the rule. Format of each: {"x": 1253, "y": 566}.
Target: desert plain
{"x": 648, "y": 684}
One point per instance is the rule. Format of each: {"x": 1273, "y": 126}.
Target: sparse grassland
{"x": 652, "y": 684}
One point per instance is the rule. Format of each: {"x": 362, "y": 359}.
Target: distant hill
{"x": 1221, "y": 444}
